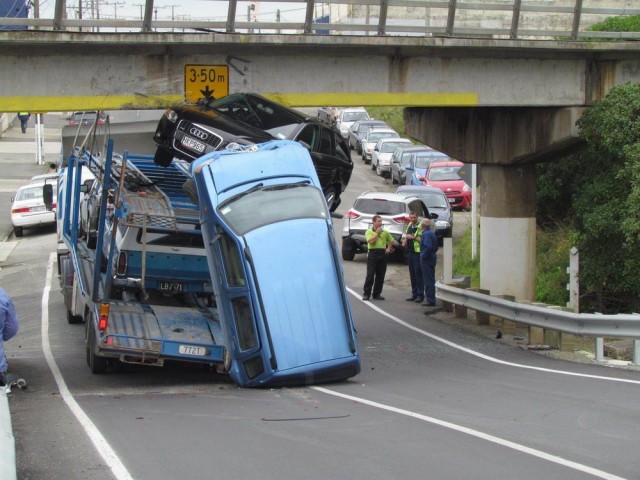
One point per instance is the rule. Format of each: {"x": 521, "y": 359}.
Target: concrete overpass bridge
{"x": 503, "y": 102}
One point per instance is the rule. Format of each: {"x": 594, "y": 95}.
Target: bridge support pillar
{"x": 508, "y": 230}
{"x": 506, "y": 142}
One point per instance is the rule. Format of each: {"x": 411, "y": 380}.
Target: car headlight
{"x": 171, "y": 115}
{"x": 466, "y": 188}
{"x": 442, "y": 224}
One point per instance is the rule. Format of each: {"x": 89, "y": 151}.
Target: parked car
{"x": 444, "y": 175}
{"x": 371, "y": 138}
{"x": 348, "y": 116}
{"x": 400, "y": 159}
{"x": 381, "y": 155}
{"x": 190, "y": 130}
{"x": 394, "y": 209}
{"x": 437, "y": 203}
{"x": 28, "y": 209}
{"x": 359, "y": 129}
{"x": 328, "y": 114}
{"x": 44, "y": 177}
{"x": 419, "y": 163}
{"x": 86, "y": 118}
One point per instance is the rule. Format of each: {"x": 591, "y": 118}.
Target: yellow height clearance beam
{"x": 376, "y": 99}
{"x": 141, "y": 102}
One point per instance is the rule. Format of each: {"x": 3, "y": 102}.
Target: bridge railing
{"x": 511, "y": 19}
{"x": 549, "y": 318}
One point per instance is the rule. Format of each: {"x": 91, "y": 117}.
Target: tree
{"x": 599, "y": 189}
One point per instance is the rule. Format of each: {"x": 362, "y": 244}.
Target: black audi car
{"x": 190, "y": 130}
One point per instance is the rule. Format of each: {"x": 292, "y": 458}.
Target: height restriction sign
{"x": 205, "y": 82}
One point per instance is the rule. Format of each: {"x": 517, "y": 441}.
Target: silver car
{"x": 359, "y": 129}
{"x": 381, "y": 156}
{"x": 400, "y": 160}
{"x": 394, "y": 210}
{"x": 371, "y": 138}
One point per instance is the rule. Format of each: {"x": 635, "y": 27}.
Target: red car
{"x": 444, "y": 175}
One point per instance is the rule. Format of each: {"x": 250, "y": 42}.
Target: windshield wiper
{"x": 237, "y": 197}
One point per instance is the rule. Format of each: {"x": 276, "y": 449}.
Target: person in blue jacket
{"x": 24, "y": 120}
{"x": 8, "y": 328}
{"x": 428, "y": 258}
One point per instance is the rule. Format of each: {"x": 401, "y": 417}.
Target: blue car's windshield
{"x": 443, "y": 174}
{"x": 423, "y": 161}
{"x": 272, "y": 204}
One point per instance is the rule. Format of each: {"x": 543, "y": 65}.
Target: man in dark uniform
{"x": 428, "y": 258}
{"x": 412, "y": 237}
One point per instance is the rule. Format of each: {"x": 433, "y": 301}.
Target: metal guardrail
{"x": 7, "y": 442}
{"x": 585, "y": 324}
{"x": 517, "y": 19}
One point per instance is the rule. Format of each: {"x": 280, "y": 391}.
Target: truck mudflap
{"x": 147, "y": 334}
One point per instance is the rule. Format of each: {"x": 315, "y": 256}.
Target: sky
{"x": 181, "y": 10}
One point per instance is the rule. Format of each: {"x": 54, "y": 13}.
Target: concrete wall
{"x": 60, "y": 71}
{"x": 5, "y": 121}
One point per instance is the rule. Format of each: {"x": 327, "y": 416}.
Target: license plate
{"x": 37, "y": 209}
{"x": 171, "y": 286}
{"x": 451, "y": 200}
{"x": 193, "y": 144}
{"x": 192, "y": 350}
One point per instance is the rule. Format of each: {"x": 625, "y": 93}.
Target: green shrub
{"x": 552, "y": 260}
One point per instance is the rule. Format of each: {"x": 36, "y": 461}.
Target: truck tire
{"x": 348, "y": 249}
{"x": 97, "y": 364}
{"x": 73, "y": 319}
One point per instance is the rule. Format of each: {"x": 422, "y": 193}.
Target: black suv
{"x": 190, "y": 130}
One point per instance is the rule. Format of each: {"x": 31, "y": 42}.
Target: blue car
{"x": 277, "y": 279}
{"x": 419, "y": 162}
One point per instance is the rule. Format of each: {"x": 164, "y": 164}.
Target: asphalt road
{"x": 432, "y": 401}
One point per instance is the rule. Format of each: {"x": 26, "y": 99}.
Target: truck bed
{"x": 138, "y": 332}
{"x": 150, "y": 333}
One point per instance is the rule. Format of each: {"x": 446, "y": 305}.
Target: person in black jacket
{"x": 428, "y": 259}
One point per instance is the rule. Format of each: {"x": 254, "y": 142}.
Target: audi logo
{"x": 196, "y": 132}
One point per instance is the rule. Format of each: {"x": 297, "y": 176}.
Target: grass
{"x": 462, "y": 262}
{"x": 552, "y": 260}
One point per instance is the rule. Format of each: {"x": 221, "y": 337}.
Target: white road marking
{"x": 101, "y": 444}
{"x": 475, "y": 433}
{"x": 482, "y": 355}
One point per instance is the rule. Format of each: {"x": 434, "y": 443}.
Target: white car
{"x": 371, "y": 138}
{"x": 44, "y": 177}
{"x": 347, "y": 117}
{"x": 28, "y": 209}
{"x": 382, "y": 152}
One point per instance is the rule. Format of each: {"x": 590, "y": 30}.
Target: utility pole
{"x": 251, "y": 7}
{"x": 36, "y": 11}
{"x": 141, "y": 5}
{"x": 115, "y": 9}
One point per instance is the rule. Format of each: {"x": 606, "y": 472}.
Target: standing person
{"x": 24, "y": 120}
{"x": 8, "y": 328}
{"x": 412, "y": 237}
{"x": 380, "y": 245}
{"x": 428, "y": 258}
